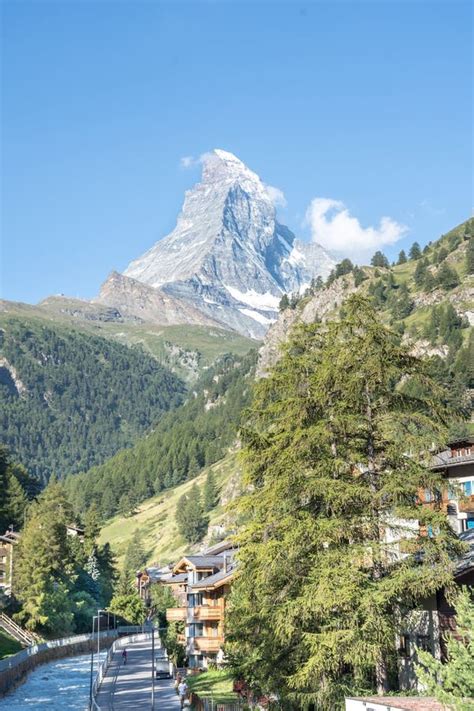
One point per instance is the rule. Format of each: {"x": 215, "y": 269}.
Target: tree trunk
{"x": 381, "y": 673}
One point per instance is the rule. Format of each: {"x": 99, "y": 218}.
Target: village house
{"x": 7, "y": 543}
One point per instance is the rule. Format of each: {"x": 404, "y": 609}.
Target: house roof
{"x": 199, "y": 562}
{"x": 214, "y": 581}
{"x": 219, "y": 548}
{"x": 179, "y": 578}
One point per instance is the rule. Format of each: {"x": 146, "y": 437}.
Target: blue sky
{"x": 367, "y": 104}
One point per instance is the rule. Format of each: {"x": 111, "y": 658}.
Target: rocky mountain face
{"x": 228, "y": 258}
{"x": 325, "y": 302}
{"x": 135, "y": 299}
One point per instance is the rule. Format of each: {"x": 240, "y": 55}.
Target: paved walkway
{"x": 129, "y": 686}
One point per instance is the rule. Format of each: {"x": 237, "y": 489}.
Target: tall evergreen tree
{"x": 420, "y": 273}
{"x": 190, "y": 517}
{"x": 210, "y": 492}
{"x": 402, "y": 257}
{"x": 330, "y": 545}
{"x": 379, "y": 260}
{"x": 447, "y": 277}
{"x": 470, "y": 256}
{"x": 415, "y": 251}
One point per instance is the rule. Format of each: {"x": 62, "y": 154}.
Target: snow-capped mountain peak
{"x": 228, "y": 255}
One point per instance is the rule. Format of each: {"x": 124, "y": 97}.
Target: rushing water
{"x": 55, "y": 686}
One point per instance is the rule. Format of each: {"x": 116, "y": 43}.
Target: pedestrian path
{"x": 129, "y": 686}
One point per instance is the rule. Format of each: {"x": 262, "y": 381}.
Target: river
{"x": 56, "y": 686}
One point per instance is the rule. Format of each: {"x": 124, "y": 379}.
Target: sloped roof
{"x": 214, "y": 581}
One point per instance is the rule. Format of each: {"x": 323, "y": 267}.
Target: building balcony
{"x": 176, "y": 614}
{"x": 207, "y": 613}
{"x": 208, "y": 644}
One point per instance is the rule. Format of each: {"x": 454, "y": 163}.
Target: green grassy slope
{"x": 8, "y": 645}
{"x": 185, "y": 349}
{"x": 155, "y": 517}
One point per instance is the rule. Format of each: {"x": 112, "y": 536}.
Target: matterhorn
{"x": 228, "y": 261}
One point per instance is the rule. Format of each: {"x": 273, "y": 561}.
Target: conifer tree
{"x": 379, "y": 260}
{"x": 17, "y": 502}
{"x": 470, "y": 256}
{"x": 284, "y": 302}
{"x": 420, "y": 273}
{"x": 452, "y": 683}
{"x": 415, "y": 251}
{"x": 447, "y": 277}
{"x": 336, "y": 451}
{"x": 402, "y": 257}
{"x": 190, "y": 517}
{"x": 210, "y": 492}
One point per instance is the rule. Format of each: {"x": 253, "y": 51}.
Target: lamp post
{"x": 152, "y": 669}
{"x": 98, "y": 640}
{"x": 92, "y": 662}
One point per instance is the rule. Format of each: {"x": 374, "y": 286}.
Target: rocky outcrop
{"x": 134, "y": 299}
{"x": 10, "y": 379}
{"x": 317, "y": 307}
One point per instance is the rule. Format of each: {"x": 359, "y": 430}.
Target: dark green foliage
{"x": 317, "y": 284}
{"x": 415, "y": 251}
{"x": 445, "y": 326}
{"x": 359, "y": 276}
{"x": 190, "y": 516}
{"x": 441, "y": 255}
{"x": 452, "y": 683}
{"x": 129, "y": 607}
{"x": 56, "y": 582}
{"x": 401, "y": 303}
{"x": 16, "y": 489}
{"x": 161, "y": 599}
{"x": 470, "y": 256}
{"x": 402, "y": 257}
{"x": 210, "y": 492}
{"x": 379, "y": 260}
{"x": 344, "y": 267}
{"x": 420, "y": 272}
{"x": 184, "y": 441}
{"x": 135, "y": 556}
{"x": 328, "y": 478}
{"x": 429, "y": 282}
{"x": 86, "y": 397}
{"x": 284, "y": 303}
{"x": 446, "y": 277}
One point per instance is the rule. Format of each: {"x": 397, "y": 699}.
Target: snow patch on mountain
{"x": 228, "y": 251}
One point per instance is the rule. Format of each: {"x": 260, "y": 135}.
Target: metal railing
{"x": 121, "y": 642}
{"x": 16, "y": 659}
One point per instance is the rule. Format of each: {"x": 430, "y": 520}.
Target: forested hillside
{"x": 70, "y": 400}
{"x": 184, "y": 441}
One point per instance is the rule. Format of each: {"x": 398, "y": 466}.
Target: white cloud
{"x": 187, "y": 161}
{"x": 336, "y": 229}
{"x": 276, "y": 195}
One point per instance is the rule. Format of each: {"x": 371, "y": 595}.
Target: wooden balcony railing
{"x": 208, "y": 644}
{"x": 176, "y": 614}
{"x": 205, "y": 613}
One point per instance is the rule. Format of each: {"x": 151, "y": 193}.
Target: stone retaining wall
{"x": 15, "y": 668}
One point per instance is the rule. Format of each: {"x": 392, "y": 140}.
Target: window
{"x": 469, "y": 524}
{"x": 428, "y": 496}
{"x": 404, "y": 645}
{"x": 467, "y": 486}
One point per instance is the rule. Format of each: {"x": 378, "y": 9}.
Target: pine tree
{"x": 312, "y": 611}
{"x": 452, "y": 683}
{"x": 210, "y": 492}
{"x": 135, "y": 555}
{"x": 284, "y": 303}
{"x": 420, "y": 273}
{"x": 17, "y": 502}
{"x": 402, "y": 257}
{"x": 379, "y": 260}
{"x": 430, "y": 282}
{"x": 44, "y": 563}
{"x": 415, "y": 251}
{"x": 470, "y": 256}
{"x": 190, "y": 517}
{"x": 441, "y": 255}
{"x": 4, "y": 513}
{"x": 359, "y": 276}
{"x": 447, "y": 277}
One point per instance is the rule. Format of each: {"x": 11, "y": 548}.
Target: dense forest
{"x": 70, "y": 400}
{"x": 194, "y": 435}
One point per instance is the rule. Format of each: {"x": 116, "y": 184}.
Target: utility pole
{"x": 92, "y": 665}
{"x": 152, "y": 669}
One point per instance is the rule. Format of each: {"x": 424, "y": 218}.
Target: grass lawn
{"x": 213, "y": 684}
{"x": 8, "y": 645}
{"x": 155, "y": 518}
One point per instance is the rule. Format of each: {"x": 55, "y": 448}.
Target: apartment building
{"x": 456, "y": 463}
{"x": 201, "y": 584}
{"x": 7, "y": 543}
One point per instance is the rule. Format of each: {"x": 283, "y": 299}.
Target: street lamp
{"x": 94, "y": 617}
{"x": 98, "y": 639}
